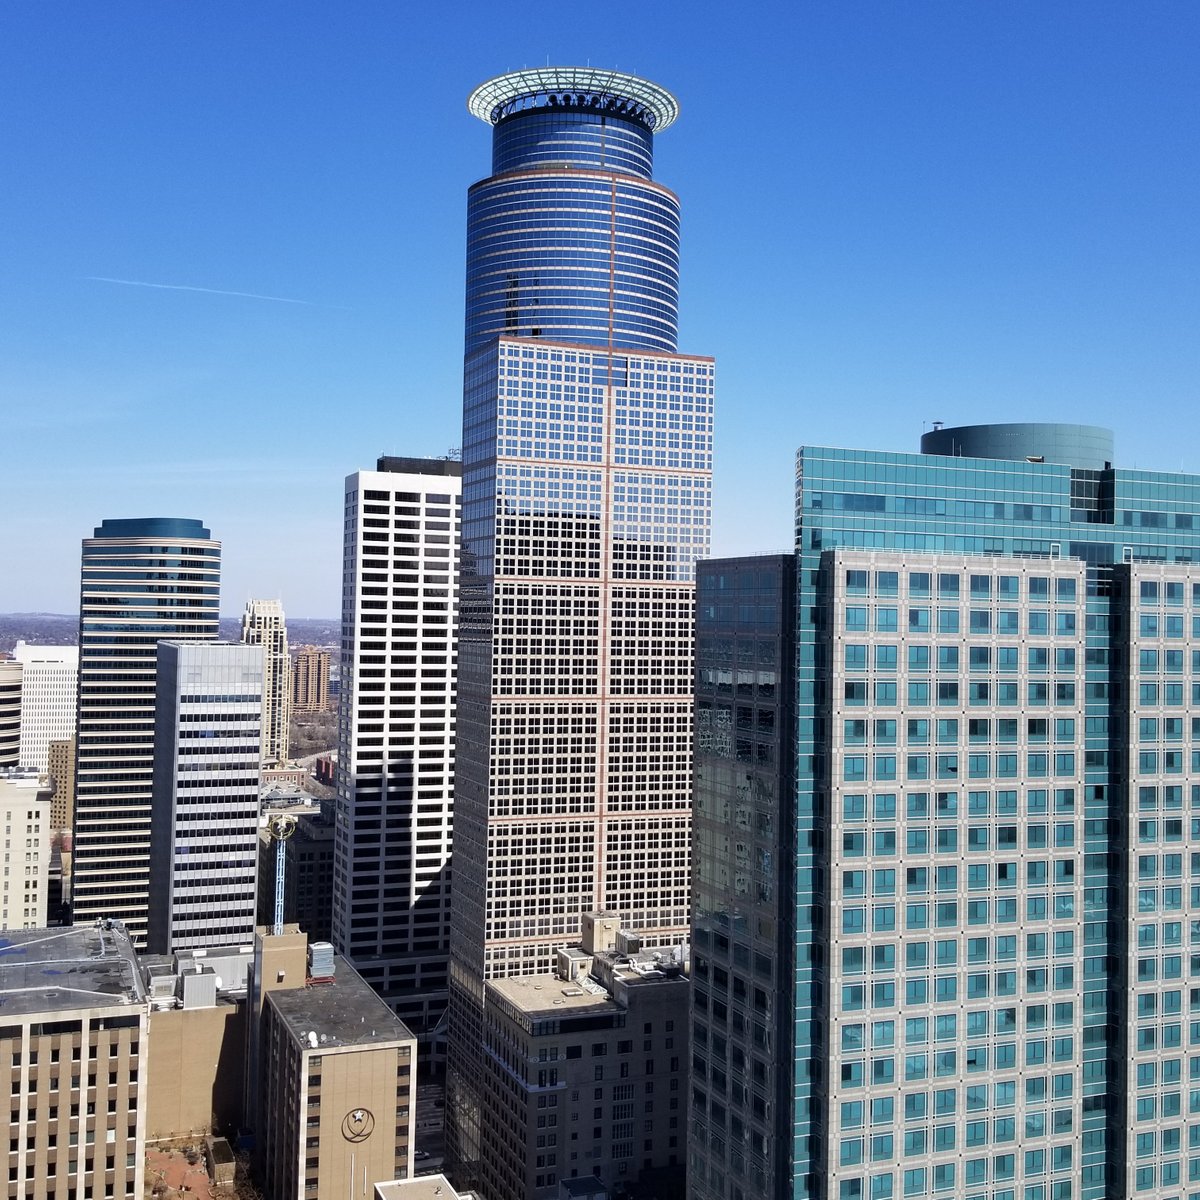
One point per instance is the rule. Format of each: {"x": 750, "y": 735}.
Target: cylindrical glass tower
{"x": 570, "y": 239}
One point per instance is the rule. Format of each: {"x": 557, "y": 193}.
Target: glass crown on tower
{"x": 570, "y": 239}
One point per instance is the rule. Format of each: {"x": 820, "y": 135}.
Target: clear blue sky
{"x": 893, "y": 213}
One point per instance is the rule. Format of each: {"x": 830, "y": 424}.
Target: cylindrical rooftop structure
{"x": 570, "y": 239}
{"x": 1081, "y": 447}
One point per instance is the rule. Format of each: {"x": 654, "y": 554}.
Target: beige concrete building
{"x": 49, "y": 679}
{"x": 263, "y": 624}
{"x": 60, "y": 766}
{"x": 310, "y": 680}
{"x": 338, "y": 1073}
{"x": 25, "y": 820}
{"x": 72, "y": 1043}
{"x": 196, "y": 1065}
{"x": 586, "y": 1070}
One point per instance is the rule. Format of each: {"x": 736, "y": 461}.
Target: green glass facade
{"x": 1022, "y": 743}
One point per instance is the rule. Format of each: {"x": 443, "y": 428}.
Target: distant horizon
{"x": 237, "y": 616}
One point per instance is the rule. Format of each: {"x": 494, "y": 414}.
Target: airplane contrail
{"x": 183, "y": 287}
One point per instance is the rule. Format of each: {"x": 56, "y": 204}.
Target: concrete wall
{"x": 366, "y": 1077}
{"x": 195, "y": 1063}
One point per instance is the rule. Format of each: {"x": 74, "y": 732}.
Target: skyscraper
{"x": 10, "y": 712}
{"x": 395, "y": 777}
{"x": 743, "y": 877}
{"x": 208, "y": 736}
{"x": 49, "y": 682}
{"x": 985, "y": 972}
{"x": 310, "y": 680}
{"x": 143, "y": 581}
{"x": 263, "y": 624}
{"x": 586, "y": 475}
{"x": 60, "y": 756}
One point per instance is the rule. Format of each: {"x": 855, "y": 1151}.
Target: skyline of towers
{"x": 209, "y": 729}
{"x": 142, "y": 580}
{"x": 586, "y": 477}
{"x": 264, "y": 624}
{"x": 396, "y": 732}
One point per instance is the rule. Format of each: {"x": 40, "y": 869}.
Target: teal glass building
{"x": 987, "y": 967}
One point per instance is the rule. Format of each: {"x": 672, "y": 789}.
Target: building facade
{"x": 10, "y": 712}
{"x": 586, "y": 477}
{"x": 743, "y": 875}
{"x": 204, "y": 821}
{"x": 264, "y": 624}
{"x": 143, "y": 580}
{"x": 60, "y": 766}
{"x": 338, "y": 1080}
{"x": 990, "y": 991}
{"x": 310, "y": 680}
{"x": 73, "y": 1044}
{"x": 25, "y": 818}
{"x": 49, "y": 679}
{"x": 586, "y": 1070}
{"x": 395, "y": 776}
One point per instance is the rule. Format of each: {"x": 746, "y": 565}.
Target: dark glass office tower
{"x": 586, "y": 477}
{"x": 143, "y": 581}
{"x": 744, "y": 911}
{"x": 991, "y": 967}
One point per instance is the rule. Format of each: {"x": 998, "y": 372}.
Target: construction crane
{"x": 280, "y": 827}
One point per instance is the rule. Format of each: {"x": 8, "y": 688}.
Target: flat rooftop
{"x": 19, "y": 789}
{"x": 57, "y": 970}
{"x": 611, "y": 974}
{"x": 535, "y": 994}
{"x": 345, "y": 1012}
{"x": 423, "y": 1187}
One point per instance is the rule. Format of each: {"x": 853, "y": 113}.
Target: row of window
{"x": 919, "y": 693}
{"x": 979, "y": 951}
{"x": 980, "y": 730}
{"x": 1038, "y": 622}
{"x": 950, "y": 584}
{"x": 1037, "y": 765}
{"x": 1003, "y": 659}
{"x": 946, "y": 807}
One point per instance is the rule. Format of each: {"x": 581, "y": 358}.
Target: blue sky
{"x": 894, "y": 213}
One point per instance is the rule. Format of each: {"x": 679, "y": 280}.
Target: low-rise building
{"x": 285, "y": 773}
{"x": 337, "y": 1074}
{"x": 73, "y": 1042}
{"x": 586, "y": 1069}
{"x": 24, "y": 875}
{"x": 424, "y": 1187}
